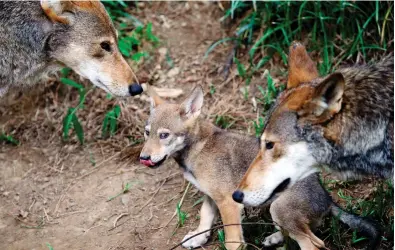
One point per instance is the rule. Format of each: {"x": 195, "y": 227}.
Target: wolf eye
{"x": 269, "y": 145}
{"x": 163, "y": 135}
{"x": 106, "y": 46}
{"x": 147, "y": 132}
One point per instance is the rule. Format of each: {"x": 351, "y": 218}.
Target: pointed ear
{"x": 192, "y": 105}
{"x": 300, "y": 66}
{"x": 55, "y": 9}
{"x": 326, "y": 100}
{"x": 329, "y": 94}
{"x": 155, "y": 99}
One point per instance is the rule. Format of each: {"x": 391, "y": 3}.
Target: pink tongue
{"x": 147, "y": 162}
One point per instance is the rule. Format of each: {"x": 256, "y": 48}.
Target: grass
{"x": 341, "y": 32}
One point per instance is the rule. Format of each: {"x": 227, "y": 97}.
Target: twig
{"x": 119, "y": 217}
{"x": 46, "y": 215}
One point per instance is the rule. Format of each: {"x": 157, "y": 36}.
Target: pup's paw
{"x": 274, "y": 239}
{"x": 196, "y": 241}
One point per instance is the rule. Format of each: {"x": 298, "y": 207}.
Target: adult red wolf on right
{"x": 344, "y": 121}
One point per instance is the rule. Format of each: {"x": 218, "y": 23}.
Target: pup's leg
{"x": 274, "y": 239}
{"x": 308, "y": 241}
{"x": 231, "y": 214}
{"x": 208, "y": 213}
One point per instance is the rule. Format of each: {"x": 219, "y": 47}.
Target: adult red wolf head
{"x": 85, "y": 40}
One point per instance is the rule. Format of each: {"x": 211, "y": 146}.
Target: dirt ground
{"x": 62, "y": 194}
{"x": 50, "y": 190}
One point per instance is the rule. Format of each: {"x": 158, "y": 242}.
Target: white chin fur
{"x": 93, "y": 72}
{"x": 296, "y": 164}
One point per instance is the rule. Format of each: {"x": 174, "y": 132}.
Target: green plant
{"x": 124, "y": 190}
{"x": 8, "y": 139}
{"x": 221, "y": 238}
{"x": 110, "y": 121}
{"x": 259, "y": 125}
{"x": 49, "y": 246}
{"x": 182, "y": 216}
{"x": 71, "y": 120}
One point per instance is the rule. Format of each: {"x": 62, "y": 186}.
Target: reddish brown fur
{"x": 301, "y": 67}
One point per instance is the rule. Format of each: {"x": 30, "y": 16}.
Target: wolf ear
{"x": 192, "y": 105}
{"x": 155, "y": 99}
{"x": 300, "y": 66}
{"x": 326, "y": 99}
{"x": 55, "y": 9}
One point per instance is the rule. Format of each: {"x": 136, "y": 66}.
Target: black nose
{"x": 145, "y": 158}
{"x": 135, "y": 89}
{"x": 238, "y": 196}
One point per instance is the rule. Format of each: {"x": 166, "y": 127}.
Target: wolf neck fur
{"x": 199, "y": 132}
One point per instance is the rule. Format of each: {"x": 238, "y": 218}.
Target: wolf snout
{"x": 238, "y": 196}
{"x": 135, "y": 89}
